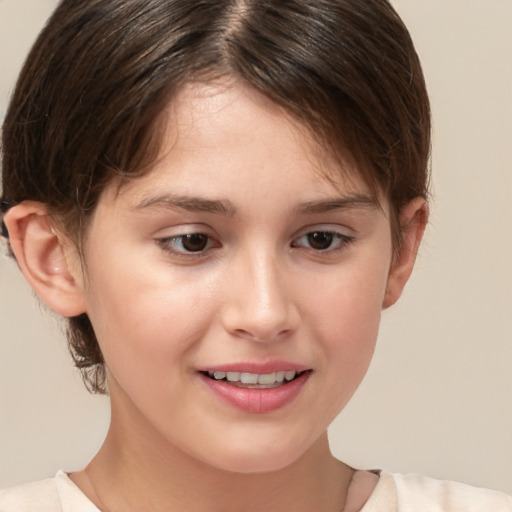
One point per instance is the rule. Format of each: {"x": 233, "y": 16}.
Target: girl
{"x": 221, "y": 197}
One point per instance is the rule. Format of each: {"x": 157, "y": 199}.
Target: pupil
{"x": 320, "y": 240}
{"x": 195, "y": 242}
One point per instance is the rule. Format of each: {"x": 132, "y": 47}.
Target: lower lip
{"x": 257, "y": 400}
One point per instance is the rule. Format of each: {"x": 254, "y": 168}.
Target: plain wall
{"x": 437, "y": 398}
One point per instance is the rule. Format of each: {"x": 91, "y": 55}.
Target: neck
{"x": 137, "y": 474}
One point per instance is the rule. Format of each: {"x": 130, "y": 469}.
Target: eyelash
{"x": 168, "y": 244}
{"x": 341, "y": 240}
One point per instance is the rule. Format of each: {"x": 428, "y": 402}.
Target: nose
{"x": 260, "y": 303}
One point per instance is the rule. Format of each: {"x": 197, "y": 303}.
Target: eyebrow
{"x": 341, "y": 203}
{"x": 228, "y": 209}
{"x": 191, "y": 204}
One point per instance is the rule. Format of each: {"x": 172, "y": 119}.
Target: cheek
{"x": 148, "y": 332}
{"x": 349, "y": 333}
{"x": 346, "y": 321}
{"x": 147, "y": 316}
{"x": 347, "y": 306}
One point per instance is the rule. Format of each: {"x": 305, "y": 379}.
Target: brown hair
{"x": 89, "y": 97}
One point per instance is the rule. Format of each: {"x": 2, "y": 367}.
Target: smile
{"x": 260, "y": 391}
{"x": 254, "y": 380}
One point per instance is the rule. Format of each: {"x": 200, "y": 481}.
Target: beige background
{"x": 438, "y": 397}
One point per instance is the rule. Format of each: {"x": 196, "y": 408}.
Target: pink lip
{"x": 260, "y": 368}
{"x": 255, "y": 400}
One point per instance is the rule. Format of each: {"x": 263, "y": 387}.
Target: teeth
{"x": 249, "y": 378}
{"x": 265, "y": 379}
{"x": 268, "y": 378}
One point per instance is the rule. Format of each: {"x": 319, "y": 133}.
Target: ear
{"x": 413, "y": 219}
{"x": 47, "y": 259}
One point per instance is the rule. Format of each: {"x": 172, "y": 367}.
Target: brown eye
{"x": 194, "y": 242}
{"x": 327, "y": 242}
{"x": 320, "y": 240}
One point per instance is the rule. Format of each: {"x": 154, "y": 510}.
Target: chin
{"x": 255, "y": 465}
{"x": 268, "y": 466}
{"x": 254, "y": 458}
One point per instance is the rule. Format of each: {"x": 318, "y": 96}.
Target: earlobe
{"x": 413, "y": 220}
{"x": 43, "y": 256}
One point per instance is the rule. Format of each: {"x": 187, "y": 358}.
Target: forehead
{"x": 227, "y": 132}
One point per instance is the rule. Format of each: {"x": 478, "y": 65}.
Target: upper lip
{"x": 254, "y": 367}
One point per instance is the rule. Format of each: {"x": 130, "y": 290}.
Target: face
{"x": 235, "y": 292}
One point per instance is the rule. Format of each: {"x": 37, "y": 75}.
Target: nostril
{"x": 262, "y": 337}
{"x": 246, "y": 334}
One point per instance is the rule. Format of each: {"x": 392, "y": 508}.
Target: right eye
{"x": 190, "y": 243}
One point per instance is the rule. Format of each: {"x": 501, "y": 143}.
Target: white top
{"x": 393, "y": 493}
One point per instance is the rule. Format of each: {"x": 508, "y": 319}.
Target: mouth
{"x": 255, "y": 380}
{"x": 256, "y": 387}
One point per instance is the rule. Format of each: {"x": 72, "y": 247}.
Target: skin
{"x": 236, "y": 169}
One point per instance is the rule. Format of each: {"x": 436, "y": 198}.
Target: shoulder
{"x": 41, "y": 496}
{"x": 57, "y": 494}
{"x": 423, "y": 494}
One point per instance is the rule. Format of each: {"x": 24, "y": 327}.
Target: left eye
{"x": 322, "y": 240}
{"x": 190, "y": 243}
